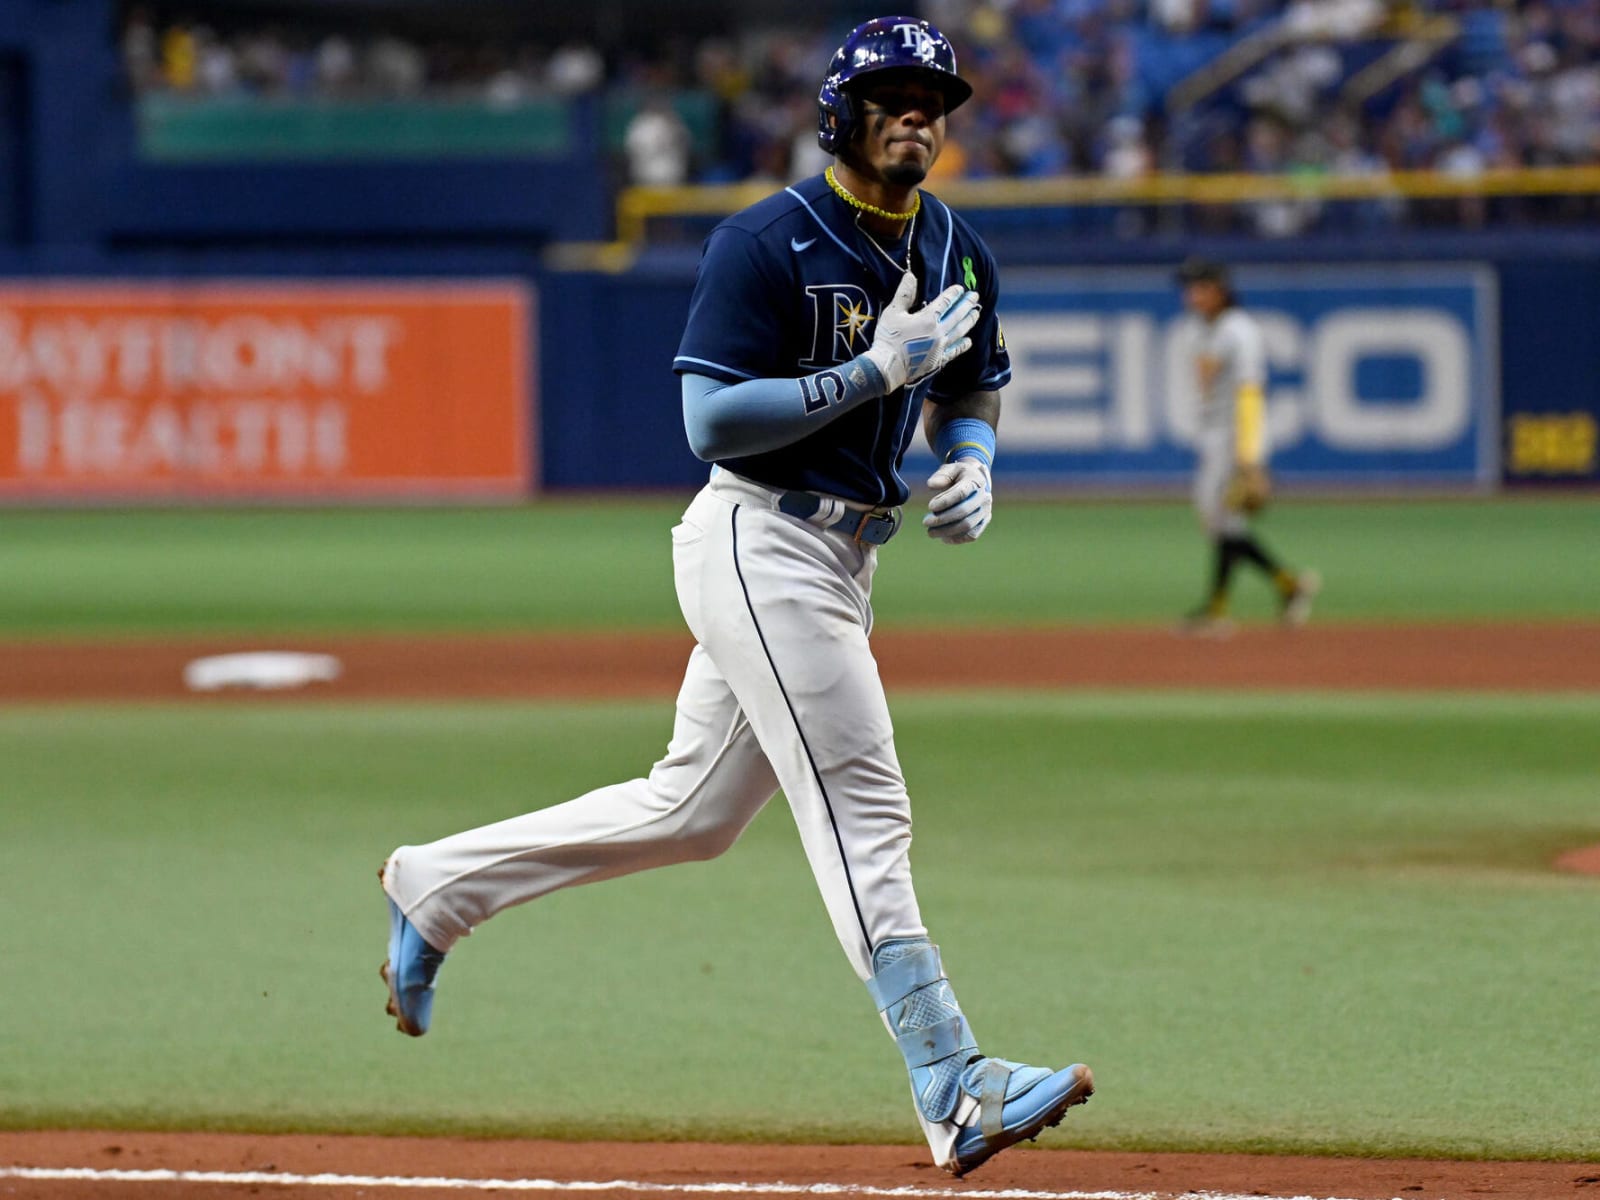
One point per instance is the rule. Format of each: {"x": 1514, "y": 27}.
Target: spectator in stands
{"x": 657, "y": 144}
{"x": 179, "y": 58}
{"x": 574, "y": 69}
{"x": 396, "y": 68}
{"x": 216, "y": 69}
{"x": 1125, "y": 153}
{"x": 336, "y": 67}
{"x": 141, "y": 50}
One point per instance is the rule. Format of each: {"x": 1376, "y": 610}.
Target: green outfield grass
{"x": 1270, "y": 923}
{"x": 607, "y": 564}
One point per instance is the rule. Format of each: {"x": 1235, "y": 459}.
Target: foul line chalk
{"x": 446, "y": 1183}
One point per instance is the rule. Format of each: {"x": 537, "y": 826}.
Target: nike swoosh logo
{"x": 797, "y": 245}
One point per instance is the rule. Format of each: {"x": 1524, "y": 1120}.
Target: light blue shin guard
{"x": 1005, "y": 1102}
{"x": 911, "y": 991}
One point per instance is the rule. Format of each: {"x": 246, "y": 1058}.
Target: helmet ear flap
{"x": 848, "y": 116}
{"x": 837, "y": 117}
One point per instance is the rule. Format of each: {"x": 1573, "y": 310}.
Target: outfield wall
{"x": 1457, "y": 373}
{"x": 317, "y": 385}
{"x": 1400, "y": 356}
{"x": 1377, "y": 375}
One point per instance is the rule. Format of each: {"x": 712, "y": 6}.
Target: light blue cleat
{"x": 1015, "y": 1103}
{"x": 971, "y": 1106}
{"x": 410, "y": 971}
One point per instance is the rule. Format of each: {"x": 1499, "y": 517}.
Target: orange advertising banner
{"x": 196, "y": 391}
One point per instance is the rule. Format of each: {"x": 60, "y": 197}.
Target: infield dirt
{"x": 1487, "y": 657}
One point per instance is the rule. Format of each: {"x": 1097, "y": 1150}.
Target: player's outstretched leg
{"x": 971, "y": 1106}
{"x": 410, "y": 970}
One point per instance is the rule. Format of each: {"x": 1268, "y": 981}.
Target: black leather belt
{"x": 874, "y": 527}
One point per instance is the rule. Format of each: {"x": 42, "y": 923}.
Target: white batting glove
{"x": 962, "y": 502}
{"x": 909, "y": 346}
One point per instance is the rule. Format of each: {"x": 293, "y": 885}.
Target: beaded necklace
{"x": 839, "y": 190}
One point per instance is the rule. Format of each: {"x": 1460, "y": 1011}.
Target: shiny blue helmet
{"x": 883, "y": 44}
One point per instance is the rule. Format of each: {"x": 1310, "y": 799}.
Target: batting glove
{"x": 909, "y": 346}
{"x": 962, "y": 502}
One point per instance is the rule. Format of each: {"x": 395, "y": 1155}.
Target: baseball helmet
{"x": 884, "y": 44}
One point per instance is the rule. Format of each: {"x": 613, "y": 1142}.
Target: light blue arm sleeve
{"x": 732, "y": 420}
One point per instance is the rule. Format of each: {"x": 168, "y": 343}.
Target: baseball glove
{"x": 1249, "y": 489}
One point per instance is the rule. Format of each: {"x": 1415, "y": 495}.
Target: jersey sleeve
{"x": 1249, "y": 407}
{"x": 986, "y": 367}
{"x": 1248, "y": 349}
{"x": 734, "y": 326}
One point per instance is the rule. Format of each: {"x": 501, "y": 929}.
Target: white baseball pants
{"x": 781, "y": 691}
{"x": 1213, "y": 471}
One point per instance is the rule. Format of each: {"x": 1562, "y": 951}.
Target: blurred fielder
{"x": 1231, "y": 483}
{"x": 825, "y": 321}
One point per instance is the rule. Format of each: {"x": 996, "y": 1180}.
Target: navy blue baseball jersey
{"x": 792, "y": 285}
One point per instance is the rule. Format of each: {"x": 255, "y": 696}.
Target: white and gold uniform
{"x": 1231, "y": 363}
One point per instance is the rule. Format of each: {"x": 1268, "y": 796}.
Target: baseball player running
{"x": 1231, "y": 483}
{"x": 825, "y": 320}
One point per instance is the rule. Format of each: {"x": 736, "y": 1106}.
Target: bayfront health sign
{"x": 303, "y": 390}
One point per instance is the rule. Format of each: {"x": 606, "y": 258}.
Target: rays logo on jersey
{"x": 841, "y": 316}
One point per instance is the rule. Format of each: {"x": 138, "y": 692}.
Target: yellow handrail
{"x": 638, "y": 205}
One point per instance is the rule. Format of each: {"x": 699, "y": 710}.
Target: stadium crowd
{"x": 1062, "y": 87}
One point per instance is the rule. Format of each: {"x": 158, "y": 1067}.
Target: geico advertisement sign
{"x": 278, "y": 388}
{"x": 1359, "y": 370}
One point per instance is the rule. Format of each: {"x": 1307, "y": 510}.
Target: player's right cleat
{"x": 410, "y": 971}
{"x": 1015, "y": 1103}
{"x": 1297, "y": 604}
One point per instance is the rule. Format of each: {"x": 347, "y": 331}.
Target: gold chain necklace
{"x": 839, "y": 190}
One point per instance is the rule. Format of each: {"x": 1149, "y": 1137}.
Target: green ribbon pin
{"x": 971, "y": 279}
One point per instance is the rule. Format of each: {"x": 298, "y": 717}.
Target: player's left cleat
{"x": 971, "y": 1106}
{"x": 410, "y": 971}
{"x": 1297, "y": 604}
{"x": 1015, "y": 1103}
{"x": 1204, "y": 623}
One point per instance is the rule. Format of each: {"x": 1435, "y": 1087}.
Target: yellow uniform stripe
{"x": 1250, "y": 424}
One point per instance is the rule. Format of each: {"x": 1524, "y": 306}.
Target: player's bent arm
{"x": 731, "y": 420}
{"x": 962, "y": 434}
{"x": 974, "y": 406}
{"x": 757, "y": 415}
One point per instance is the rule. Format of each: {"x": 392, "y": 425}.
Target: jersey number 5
{"x": 820, "y": 390}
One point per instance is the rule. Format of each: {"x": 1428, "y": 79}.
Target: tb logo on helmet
{"x": 918, "y": 40}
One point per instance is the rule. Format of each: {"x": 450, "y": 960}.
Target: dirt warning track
{"x": 1486, "y": 657}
